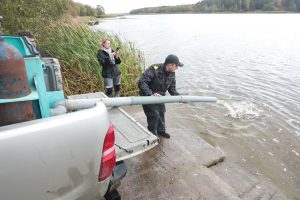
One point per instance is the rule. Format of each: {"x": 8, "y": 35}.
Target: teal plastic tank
{"x": 43, "y": 99}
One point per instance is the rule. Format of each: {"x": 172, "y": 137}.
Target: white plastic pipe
{"x": 78, "y": 104}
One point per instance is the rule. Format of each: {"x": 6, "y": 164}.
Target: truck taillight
{"x": 108, "y": 160}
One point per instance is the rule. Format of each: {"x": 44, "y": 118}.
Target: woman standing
{"x": 109, "y": 60}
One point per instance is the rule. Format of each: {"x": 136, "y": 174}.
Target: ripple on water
{"x": 244, "y": 110}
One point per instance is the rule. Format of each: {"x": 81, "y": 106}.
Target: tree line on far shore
{"x": 210, "y": 6}
{"x": 78, "y": 9}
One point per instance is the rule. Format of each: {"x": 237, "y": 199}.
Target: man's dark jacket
{"x": 157, "y": 80}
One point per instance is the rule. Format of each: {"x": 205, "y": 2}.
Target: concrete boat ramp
{"x": 187, "y": 167}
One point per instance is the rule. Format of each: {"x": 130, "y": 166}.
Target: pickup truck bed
{"x": 131, "y": 137}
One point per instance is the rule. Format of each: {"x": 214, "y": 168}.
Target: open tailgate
{"x": 131, "y": 137}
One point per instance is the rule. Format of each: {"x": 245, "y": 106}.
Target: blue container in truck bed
{"x": 44, "y": 77}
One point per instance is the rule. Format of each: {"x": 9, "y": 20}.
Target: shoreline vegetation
{"x": 65, "y": 35}
{"x": 202, "y": 13}
{"x": 226, "y": 6}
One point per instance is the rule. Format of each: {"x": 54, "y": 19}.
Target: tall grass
{"x": 76, "y": 46}
{"x": 72, "y": 42}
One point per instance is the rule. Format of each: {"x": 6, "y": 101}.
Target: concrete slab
{"x": 263, "y": 191}
{"x": 247, "y": 185}
{"x": 242, "y": 181}
{"x": 156, "y": 175}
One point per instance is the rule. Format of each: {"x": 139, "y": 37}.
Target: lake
{"x": 251, "y": 63}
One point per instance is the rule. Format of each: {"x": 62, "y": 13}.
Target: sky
{"x": 124, "y": 6}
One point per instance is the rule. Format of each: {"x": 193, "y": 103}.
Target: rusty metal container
{"x": 13, "y": 85}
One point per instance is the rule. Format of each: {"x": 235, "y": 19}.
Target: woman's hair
{"x": 104, "y": 40}
{"x": 27, "y": 34}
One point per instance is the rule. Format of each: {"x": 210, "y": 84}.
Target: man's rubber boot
{"x": 117, "y": 90}
{"x": 164, "y": 134}
{"x": 109, "y": 92}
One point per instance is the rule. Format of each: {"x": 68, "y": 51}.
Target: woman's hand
{"x": 116, "y": 54}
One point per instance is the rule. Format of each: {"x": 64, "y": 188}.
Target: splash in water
{"x": 241, "y": 110}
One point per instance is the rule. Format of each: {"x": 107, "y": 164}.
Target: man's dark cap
{"x": 173, "y": 59}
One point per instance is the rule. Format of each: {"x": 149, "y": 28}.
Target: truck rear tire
{"x": 113, "y": 195}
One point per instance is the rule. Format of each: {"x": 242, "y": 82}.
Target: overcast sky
{"x": 124, "y": 6}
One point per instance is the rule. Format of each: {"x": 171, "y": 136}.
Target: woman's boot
{"x": 117, "y": 90}
{"x": 109, "y": 92}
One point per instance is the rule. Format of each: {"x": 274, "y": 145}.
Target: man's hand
{"x": 156, "y": 95}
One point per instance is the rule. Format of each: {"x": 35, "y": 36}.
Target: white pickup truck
{"x": 71, "y": 156}
{"x": 74, "y": 155}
